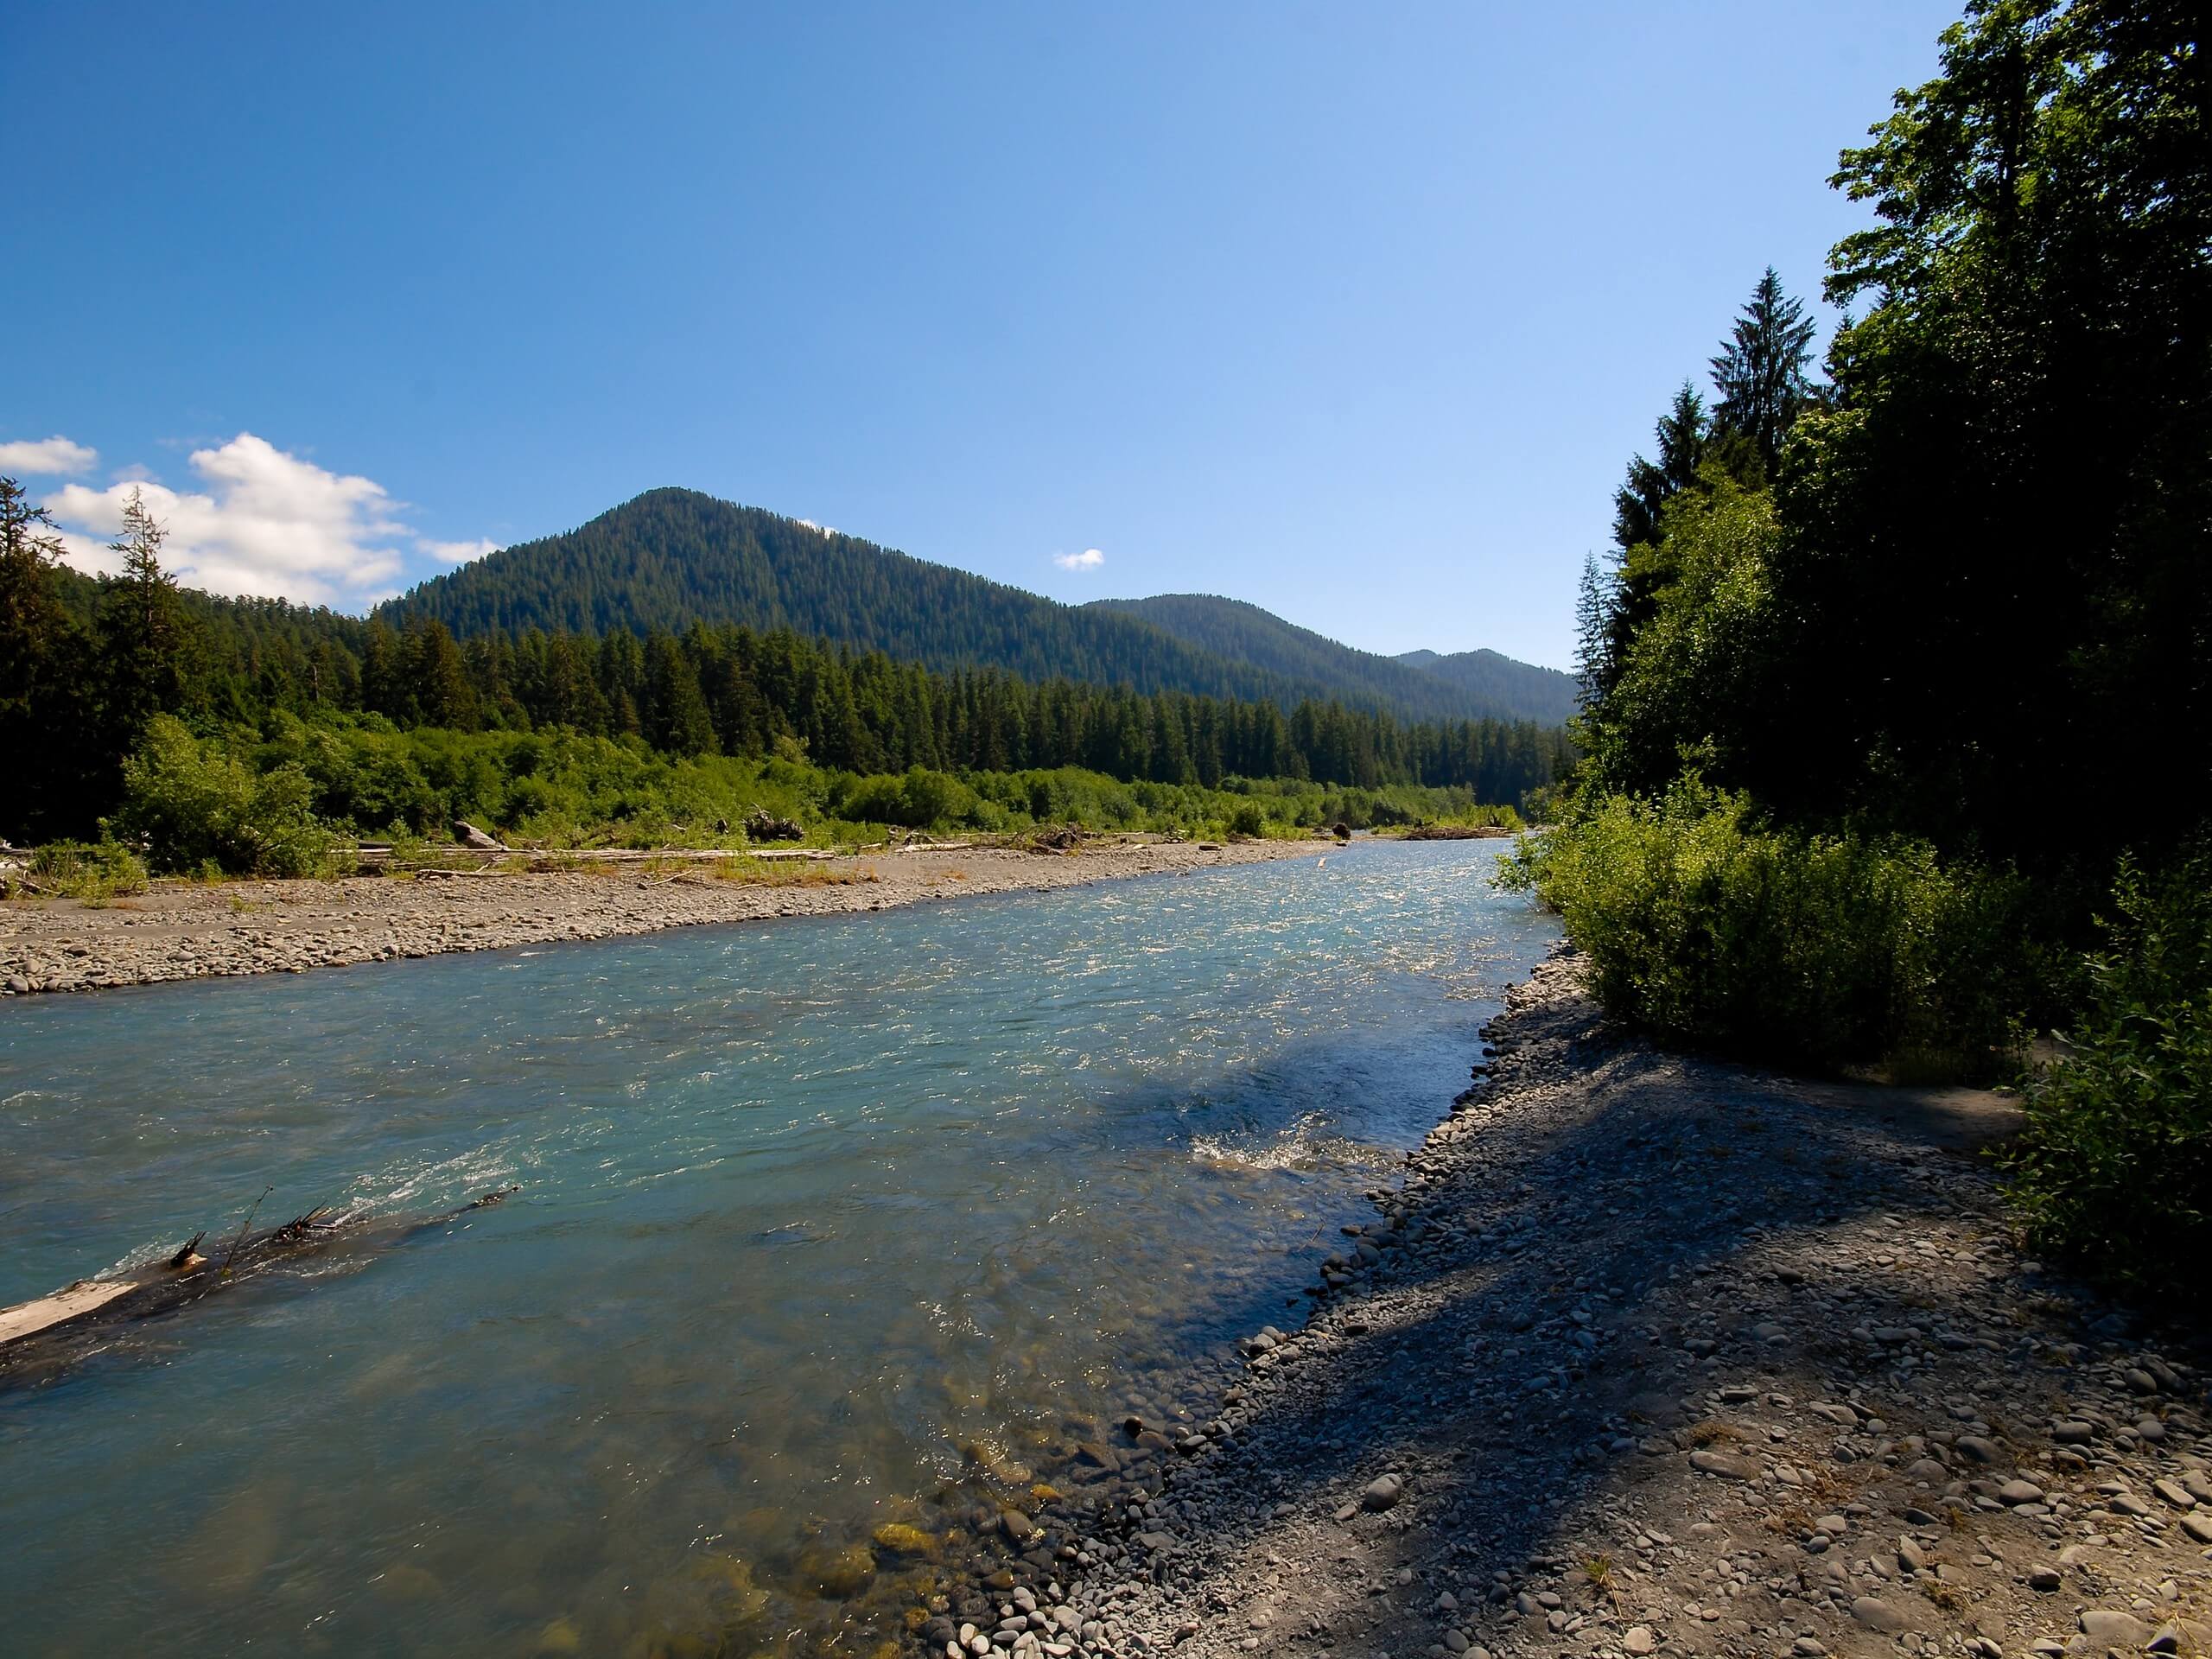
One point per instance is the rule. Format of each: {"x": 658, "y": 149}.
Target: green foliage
{"x": 94, "y": 872}
{"x": 1682, "y": 436}
{"x": 1965, "y": 580}
{"x": 1992, "y": 572}
{"x": 1706, "y": 926}
{"x": 729, "y": 690}
{"x": 2115, "y": 1167}
{"x": 146, "y": 640}
{"x": 673, "y": 559}
{"x": 1686, "y": 683}
{"x": 917, "y": 800}
{"x": 44, "y": 710}
{"x": 1481, "y": 684}
{"x": 1985, "y": 583}
{"x": 195, "y": 803}
{"x": 272, "y": 800}
{"x": 1760, "y": 372}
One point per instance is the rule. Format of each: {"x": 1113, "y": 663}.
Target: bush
{"x": 920, "y": 799}
{"x": 196, "y": 804}
{"x": 2115, "y": 1166}
{"x": 1708, "y": 928}
{"x": 1247, "y": 820}
{"x": 94, "y": 872}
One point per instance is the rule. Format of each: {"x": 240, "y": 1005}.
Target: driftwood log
{"x": 40, "y": 1337}
{"x": 1457, "y": 832}
{"x": 761, "y": 824}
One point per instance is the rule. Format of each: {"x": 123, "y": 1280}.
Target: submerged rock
{"x": 838, "y": 1574}
{"x": 899, "y": 1539}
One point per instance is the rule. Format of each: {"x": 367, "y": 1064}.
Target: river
{"x": 816, "y": 1217}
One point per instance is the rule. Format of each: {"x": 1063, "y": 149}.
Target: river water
{"x": 815, "y": 1218}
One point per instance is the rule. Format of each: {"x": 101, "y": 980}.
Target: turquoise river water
{"x": 815, "y": 1217}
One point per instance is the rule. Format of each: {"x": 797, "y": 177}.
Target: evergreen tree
{"x": 31, "y": 617}
{"x": 384, "y": 674}
{"x": 439, "y": 677}
{"x": 1595, "y": 602}
{"x": 42, "y": 712}
{"x": 675, "y": 716}
{"x": 1681, "y": 433}
{"x": 1760, "y": 372}
{"x": 144, "y": 636}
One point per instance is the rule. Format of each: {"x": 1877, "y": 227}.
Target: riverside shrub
{"x": 94, "y": 872}
{"x": 1708, "y": 928}
{"x": 196, "y": 804}
{"x": 2115, "y": 1166}
{"x": 193, "y": 791}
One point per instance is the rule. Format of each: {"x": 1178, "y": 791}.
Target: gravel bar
{"x": 178, "y": 931}
{"x": 1647, "y": 1355}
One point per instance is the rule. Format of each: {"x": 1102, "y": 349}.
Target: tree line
{"x": 91, "y": 660}
{"x": 672, "y": 558}
{"x": 1961, "y": 588}
{"x": 1897, "y": 682}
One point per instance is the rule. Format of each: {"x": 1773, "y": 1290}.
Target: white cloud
{"x": 54, "y": 457}
{"x": 455, "y": 552}
{"x": 1089, "y": 559}
{"x": 265, "y": 522}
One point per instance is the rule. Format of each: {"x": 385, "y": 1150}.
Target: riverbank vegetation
{"x": 279, "y": 800}
{"x": 1900, "y": 680}
{"x": 253, "y": 736}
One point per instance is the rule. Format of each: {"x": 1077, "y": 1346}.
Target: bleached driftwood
{"x": 42, "y": 1335}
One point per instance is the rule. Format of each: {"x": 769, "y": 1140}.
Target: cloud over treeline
{"x": 255, "y": 519}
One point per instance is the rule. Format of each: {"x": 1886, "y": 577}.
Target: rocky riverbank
{"x": 1648, "y": 1354}
{"x": 178, "y": 931}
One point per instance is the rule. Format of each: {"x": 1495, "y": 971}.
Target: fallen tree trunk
{"x": 41, "y": 1337}
{"x": 1456, "y": 832}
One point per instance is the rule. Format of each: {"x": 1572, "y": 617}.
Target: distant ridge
{"x": 1482, "y": 682}
{"x": 1550, "y": 695}
{"x": 672, "y": 558}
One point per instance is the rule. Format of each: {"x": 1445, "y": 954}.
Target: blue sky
{"x": 1354, "y": 311}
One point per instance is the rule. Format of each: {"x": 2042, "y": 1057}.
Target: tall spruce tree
{"x": 1681, "y": 434}
{"x": 443, "y": 693}
{"x": 145, "y": 636}
{"x": 1760, "y": 372}
{"x": 674, "y": 717}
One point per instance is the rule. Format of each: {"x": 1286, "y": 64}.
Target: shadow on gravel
{"x": 1578, "y": 1270}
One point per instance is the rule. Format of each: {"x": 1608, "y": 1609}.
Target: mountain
{"x": 1476, "y": 683}
{"x": 1544, "y": 694}
{"x": 672, "y": 557}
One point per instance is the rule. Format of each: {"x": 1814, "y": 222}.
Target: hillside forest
{"x": 1897, "y": 679}
{"x": 670, "y": 559}
{"x": 348, "y": 727}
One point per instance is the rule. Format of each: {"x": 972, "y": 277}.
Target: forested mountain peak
{"x": 672, "y": 557}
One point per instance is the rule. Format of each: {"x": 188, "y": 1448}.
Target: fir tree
{"x": 1760, "y": 373}
{"x": 145, "y": 638}
{"x": 444, "y": 696}
{"x": 1681, "y": 433}
{"x": 676, "y": 717}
